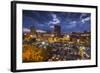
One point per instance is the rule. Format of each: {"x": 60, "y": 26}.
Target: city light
{"x": 59, "y": 38}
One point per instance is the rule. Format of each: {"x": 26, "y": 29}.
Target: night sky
{"x": 69, "y": 21}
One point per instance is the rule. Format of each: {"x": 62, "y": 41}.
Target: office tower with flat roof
{"x": 57, "y": 30}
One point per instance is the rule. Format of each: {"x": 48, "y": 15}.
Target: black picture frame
{"x": 13, "y": 35}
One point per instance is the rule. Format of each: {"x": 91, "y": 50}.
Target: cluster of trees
{"x": 31, "y": 53}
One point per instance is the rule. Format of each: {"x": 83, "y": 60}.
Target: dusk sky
{"x": 69, "y": 21}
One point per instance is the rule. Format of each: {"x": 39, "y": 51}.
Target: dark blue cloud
{"x": 69, "y": 21}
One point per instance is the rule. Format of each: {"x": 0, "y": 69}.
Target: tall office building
{"x": 57, "y": 30}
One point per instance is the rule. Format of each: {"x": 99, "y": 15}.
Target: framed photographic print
{"x": 47, "y": 36}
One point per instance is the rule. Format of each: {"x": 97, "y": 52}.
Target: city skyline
{"x": 68, "y": 21}
{"x": 46, "y": 36}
